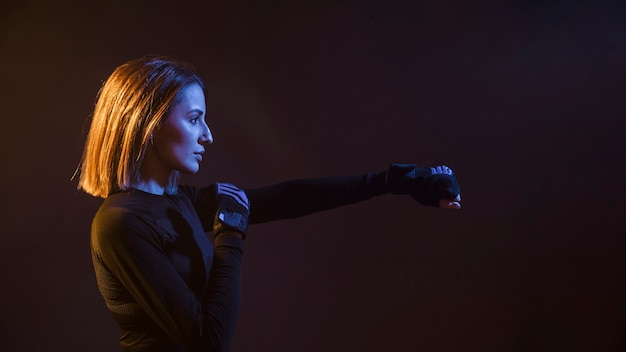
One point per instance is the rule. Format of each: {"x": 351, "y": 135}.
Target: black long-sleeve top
{"x": 168, "y": 287}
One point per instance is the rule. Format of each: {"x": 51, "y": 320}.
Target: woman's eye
{"x": 194, "y": 120}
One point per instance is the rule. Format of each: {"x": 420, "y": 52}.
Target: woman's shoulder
{"x": 125, "y": 212}
{"x": 113, "y": 216}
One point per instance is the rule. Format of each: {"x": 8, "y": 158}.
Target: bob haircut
{"x": 130, "y": 105}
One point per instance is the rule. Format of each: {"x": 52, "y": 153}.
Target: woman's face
{"x": 179, "y": 142}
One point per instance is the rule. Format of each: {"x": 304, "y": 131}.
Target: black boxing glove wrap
{"x": 427, "y": 185}
{"x": 233, "y": 210}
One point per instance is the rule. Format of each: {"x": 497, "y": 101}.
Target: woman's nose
{"x": 207, "y": 136}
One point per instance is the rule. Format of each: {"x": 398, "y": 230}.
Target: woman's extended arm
{"x": 432, "y": 186}
{"x": 295, "y": 198}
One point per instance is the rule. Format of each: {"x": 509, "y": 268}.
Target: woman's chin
{"x": 189, "y": 170}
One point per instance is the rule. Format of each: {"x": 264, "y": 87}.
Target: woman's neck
{"x": 150, "y": 186}
{"x": 153, "y": 177}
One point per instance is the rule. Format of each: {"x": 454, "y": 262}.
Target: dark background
{"x": 525, "y": 100}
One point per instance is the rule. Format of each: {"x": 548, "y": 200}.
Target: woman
{"x": 168, "y": 286}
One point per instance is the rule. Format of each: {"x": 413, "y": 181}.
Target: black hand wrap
{"x": 427, "y": 185}
{"x": 233, "y": 210}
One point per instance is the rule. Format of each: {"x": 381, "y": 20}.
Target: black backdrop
{"x": 525, "y": 100}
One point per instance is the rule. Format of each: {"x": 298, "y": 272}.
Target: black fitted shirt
{"x": 167, "y": 284}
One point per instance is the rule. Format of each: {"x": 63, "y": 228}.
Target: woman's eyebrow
{"x": 199, "y": 111}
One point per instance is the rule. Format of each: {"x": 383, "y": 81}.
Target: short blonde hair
{"x": 130, "y": 105}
